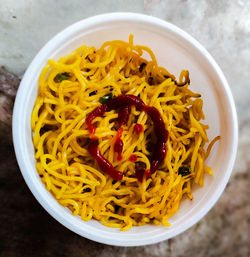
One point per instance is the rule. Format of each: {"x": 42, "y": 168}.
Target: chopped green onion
{"x": 62, "y": 76}
{"x": 184, "y": 170}
{"x": 150, "y": 80}
{"x": 105, "y": 98}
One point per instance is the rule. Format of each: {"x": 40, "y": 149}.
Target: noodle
{"x": 70, "y": 89}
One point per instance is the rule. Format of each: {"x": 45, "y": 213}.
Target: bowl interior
{"x": 175, "y": 51}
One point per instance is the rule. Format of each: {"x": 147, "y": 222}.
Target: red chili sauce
{"x": 97, "y": 112}
{"x": 103, "y": 163}
{"x": 123, "y": 104}
{"x": 118, "y": 146}
{"x": 138, "y": 128}
{"x": 133, "y": 158}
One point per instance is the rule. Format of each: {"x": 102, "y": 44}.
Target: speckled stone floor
{"x": 223, "y": 27}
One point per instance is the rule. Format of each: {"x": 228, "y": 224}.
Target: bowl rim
{"x": 98, "y": 19}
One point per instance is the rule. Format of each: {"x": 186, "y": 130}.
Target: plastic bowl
{"x": 175, "y": 50}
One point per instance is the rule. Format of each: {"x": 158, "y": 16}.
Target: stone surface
{"x": 26, "y": 25}
{"x": 223, "y": 27}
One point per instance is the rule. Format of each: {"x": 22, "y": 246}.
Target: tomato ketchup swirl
{"x": 122, "y": 103}
{"x": 118, "y": 146}
{"x": 138, "y": 128}
{"x": 97, "y": 112}
{"x": 103, "y": 163}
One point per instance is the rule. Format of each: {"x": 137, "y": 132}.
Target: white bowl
{"x": 175, "y": 50}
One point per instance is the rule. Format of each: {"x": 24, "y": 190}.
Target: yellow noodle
{"x": 70, "y": 88}
{"x": 211, "y": 145}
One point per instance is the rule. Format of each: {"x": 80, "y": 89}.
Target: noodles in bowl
{"x": 117, "y": 138}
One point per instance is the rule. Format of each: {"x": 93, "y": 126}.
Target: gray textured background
{"x": 223, "y": 27}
